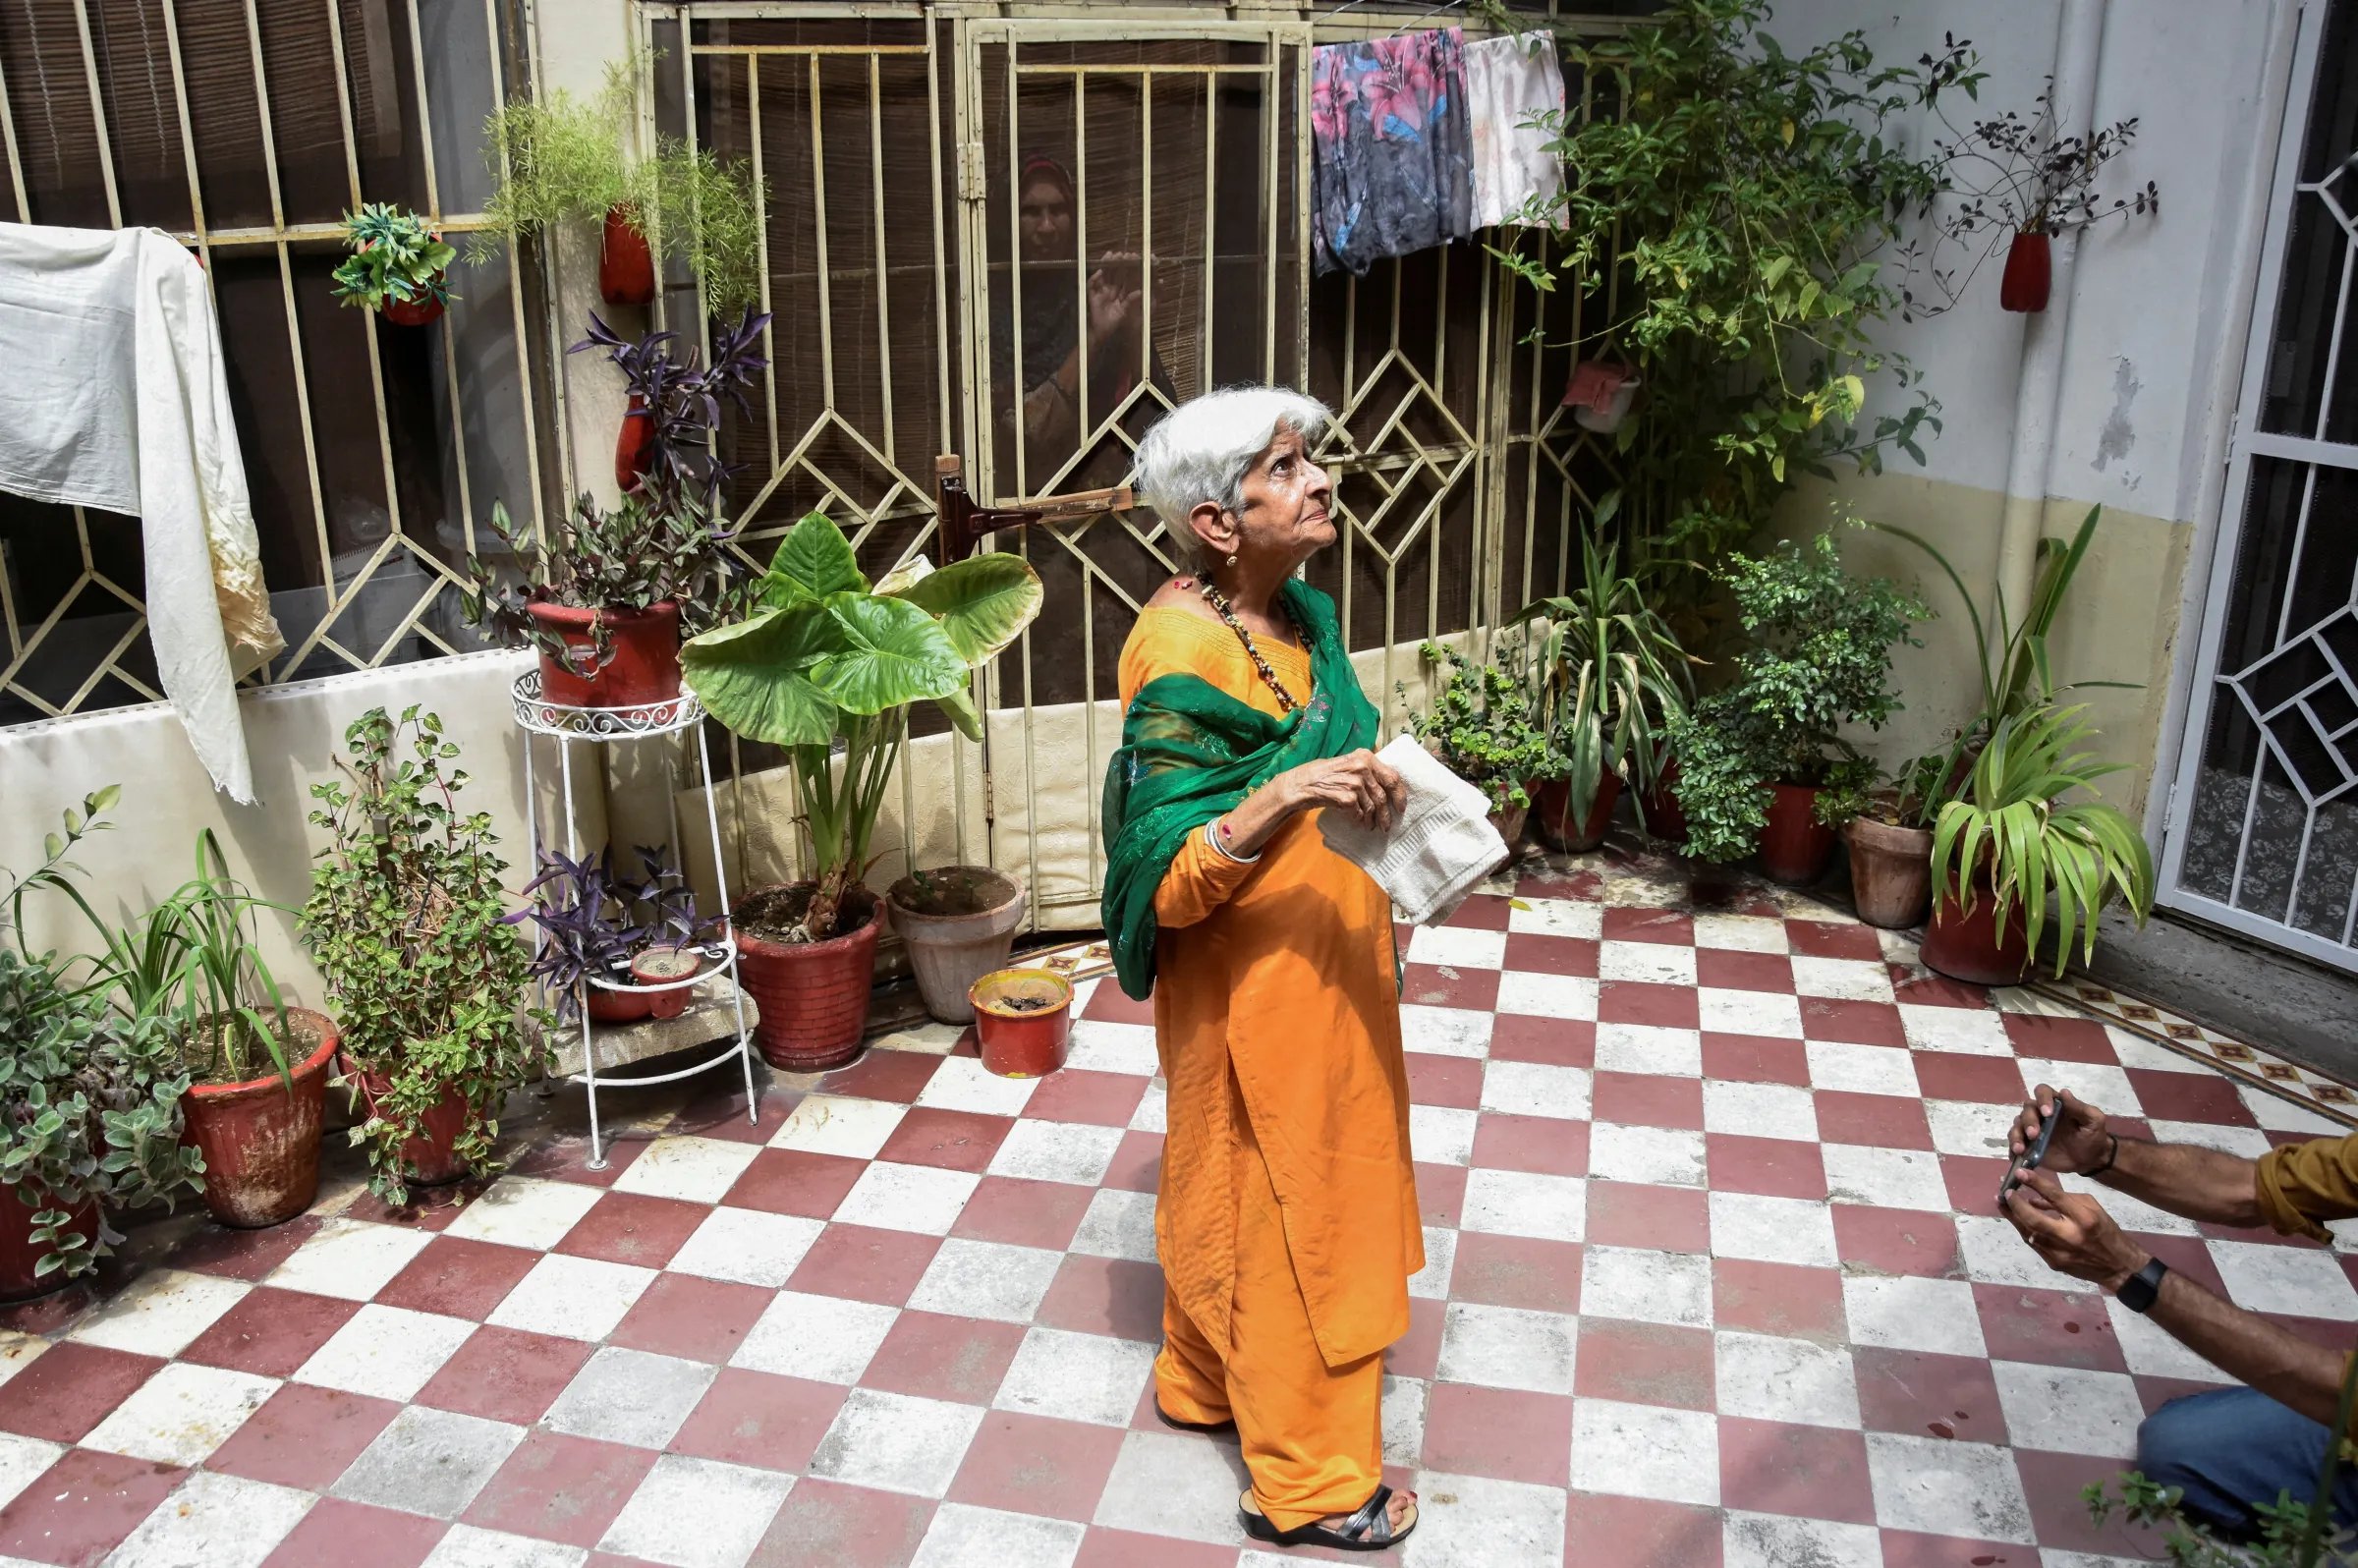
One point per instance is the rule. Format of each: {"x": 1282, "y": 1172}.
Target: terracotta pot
{"x": 260, "y": 1142}
{"x": 643, "y": 671}
{"x": 1509, "y": 821}
{"x": 1967, "y": 944}
{"x": 664, "y": 966}
{"x": 1022, "y": 1042}
{"x": 1551, "y": 809}
{"x": 2030, "y": 273}
{"x": 1795, "y": 846}
{"x": 813, "y": 995}
{"x": 431, "y": 1158}
{"x": 626, "y": 267}
{"x": 951, "y": 952}
{"x": 414, "y": 312}
{"x": 618, "y": 1007}
{"x": 1891, "y": 872}
{"x": 18, "y": 1257}
{"x": 634, "y": 445}
{"x": 1658, "y": 810}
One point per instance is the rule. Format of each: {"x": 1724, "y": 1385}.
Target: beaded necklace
{"x": 1221, "y": 608}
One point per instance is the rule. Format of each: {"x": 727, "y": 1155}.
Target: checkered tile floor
{"x": 1715, "y": 1280}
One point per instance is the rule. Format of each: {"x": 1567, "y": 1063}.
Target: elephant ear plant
{"x": 89, "y": 1099}
{"x": 407, "y": 921}
{"x": 827, "y": 661}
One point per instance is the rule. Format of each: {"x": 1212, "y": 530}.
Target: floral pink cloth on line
{"x": 1391, "y": 147}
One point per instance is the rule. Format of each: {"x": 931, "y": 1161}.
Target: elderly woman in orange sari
{"x": 1286, "y": 1219}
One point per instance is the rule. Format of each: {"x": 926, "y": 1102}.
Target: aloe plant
{"x": 2041, "y": 852}
{"x": 1612, "y": 675}
{"x": 826, "y": 658}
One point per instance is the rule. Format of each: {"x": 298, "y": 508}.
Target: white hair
{"x": 1203, "y": 448}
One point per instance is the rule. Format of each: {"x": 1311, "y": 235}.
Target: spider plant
{"x": 1612, "y": 675}
{"x": 2010, "y": 822}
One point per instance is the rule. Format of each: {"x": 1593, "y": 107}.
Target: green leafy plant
{"x": 1481, "y": 727}
{"x": 827, "y": 661}
{"x": 1729, "y": 205}
{"x": 1822, "y": 660}
{"x": 406, "y": 918}
{"x": 2010, "y": 826}
{"x": 90, "y": 1100}
{"x": 394, "y": 256}
{"x": 563, "y": 159}
{"x": 1612, "y": 674}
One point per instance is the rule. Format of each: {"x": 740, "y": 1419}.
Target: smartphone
{"x": 2030, "y": 1157}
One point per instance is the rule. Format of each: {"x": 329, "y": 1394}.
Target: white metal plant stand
{"x": 595, "y": 726}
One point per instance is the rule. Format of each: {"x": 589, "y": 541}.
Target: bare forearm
{"x": 1257, "y": 817}
{"x": 2290, "y": 1369}
{"x": 2195, "y": 1183}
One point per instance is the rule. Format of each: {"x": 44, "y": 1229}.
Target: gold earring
{"x": 1231, "y": 560}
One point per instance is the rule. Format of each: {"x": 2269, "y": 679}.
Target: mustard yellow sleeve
{"x": 2303, "y": 1185}
{"x": 1199, "y": 880}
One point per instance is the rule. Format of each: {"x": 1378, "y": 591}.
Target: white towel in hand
{"x": 1442, "y": 846}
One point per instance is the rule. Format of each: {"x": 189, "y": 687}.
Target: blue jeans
{"x": 2233, "y": 1448}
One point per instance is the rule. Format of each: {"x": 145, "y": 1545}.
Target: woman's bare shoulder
{"x": 1184, "y": 594}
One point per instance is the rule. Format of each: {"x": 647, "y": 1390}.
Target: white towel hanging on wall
{"x": 115, "y": 398}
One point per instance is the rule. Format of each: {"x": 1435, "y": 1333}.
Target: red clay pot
{"x": 1795, "y": 846}
{"x": 414, "y": 312}
{"x": 1891, "y": 872}
{"x": 626, "y": 267}
{"x": 634, "y": 445}
{"x": 1658, "y": 810}
{"x": 2029, "y": 275}
{"x": 618, "y": 1007}
{"x": 645, "y": 669}
{"x": 260, "y": 1139}
{"x": 1022, "y": 1043}
{"x": 1551, "y": 809}
{"x": 813, "y": 995}
{"x": 647, "y": 970}
{"x": 1967, "y": 944}
{"x": 431, "y": 1158}
{"x": 18, "y": 1257}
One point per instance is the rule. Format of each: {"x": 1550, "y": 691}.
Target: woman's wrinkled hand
{"x": 1360, "y": 782}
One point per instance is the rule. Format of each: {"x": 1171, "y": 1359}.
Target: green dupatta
{"x": 1190, "y": 754}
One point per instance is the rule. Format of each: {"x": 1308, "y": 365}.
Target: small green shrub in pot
{"x": 1822, "y": 660}
{"x": 397, "y": 260}
{"x": 1481, "y": 728}
{"x": 407, "y": 920}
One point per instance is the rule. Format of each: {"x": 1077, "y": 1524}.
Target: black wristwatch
{"x": 2138, "y": 1292}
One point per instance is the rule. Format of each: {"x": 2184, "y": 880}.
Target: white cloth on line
{"x": 1442, "y": 845}
{"x": 115, "y": 398}
{"x": 1509, "y": 79}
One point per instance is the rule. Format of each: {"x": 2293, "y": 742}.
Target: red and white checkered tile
{"x": 1714, "y": 1279}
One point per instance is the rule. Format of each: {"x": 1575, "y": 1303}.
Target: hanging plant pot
{"x": 21, "y": 1254}
{"x": 1969, "y": 945}
{"x": 634, "y": 445}
{"x": 667, "y": 966}
{"x": 1551, "y": 814}
{"x": 645, "y": 669}
{"x": 1658, "y": 810}
{"x": 260, "y": 1139}
{"x": 1891, "y": 872}
{"x": 1023, "y": 1021}
{"x": 1795, "y": 846}
{"x": 2030, "y": 273}
{"x": 420, "y": 311}
{"x": 813, "y": 995}
{"x": 959, "y": 926}
{"x": 431, "y": 1158}
{"x": 626, "y": 266}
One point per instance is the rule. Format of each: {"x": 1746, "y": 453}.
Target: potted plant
{"x": 959, "y": 923}
{"x": 1890, "y": 840}
{"x": 407, "y": 922}
{"x": 1481, "y": 729}
{"x": 827, "y": 666}
{"x": 604, "y": 937}
{"x": 1612, "y": 677}
{"x": 563, "y": 159}
{"x": 1762, "y": 764}
{"x": 397, "y": 265}
{"x": 2009, "y": 856}
{"x": 90, "y": 1102}
{"x": 665, "y": 448}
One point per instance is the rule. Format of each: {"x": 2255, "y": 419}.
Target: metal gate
{"x": 926, "y": 289}
{"x": 2263, "y": 827}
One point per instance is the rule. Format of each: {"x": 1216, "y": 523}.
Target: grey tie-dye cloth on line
{"x": 1391, "y": 153}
